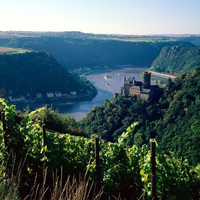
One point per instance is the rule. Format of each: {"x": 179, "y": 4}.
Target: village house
{"x": 38, "y": 95}
{"x": 50, "y": 94}
{"x": 73, "y": 93}
{"x": 16, "y": 99}
{"x": 58, "y": 94}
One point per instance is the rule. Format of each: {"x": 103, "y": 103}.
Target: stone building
{"x": 143, "y": 89}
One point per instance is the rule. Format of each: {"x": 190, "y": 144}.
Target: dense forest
{"x": 171, "y": 54}
{"x": 173, "y": 120}
{"x": 177, "y": 59}
{"x": 36, "y": 72}
{"x": 80, "y": 52}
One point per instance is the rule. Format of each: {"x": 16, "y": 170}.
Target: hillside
{"x": 26, "y": 74}
{"x": 177, "y": 59}
{"x": 125, "y": 163}
{"x": 73, "y": 168}
{"x": 174, "y": 120}
{"x": 81, "y": 50}
{"x": 178, "y": 129}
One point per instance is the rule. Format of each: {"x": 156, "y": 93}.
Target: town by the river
{"x": 107, "y": 82}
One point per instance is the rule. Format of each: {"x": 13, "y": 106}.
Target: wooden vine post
{"x": 4, "y": 128}
{"x": 98, "y": 172}
{"x": 44, "y": 146}
{"x": 153, "y": 170}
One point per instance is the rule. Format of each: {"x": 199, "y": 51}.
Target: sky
{"x": 132, "y": 17}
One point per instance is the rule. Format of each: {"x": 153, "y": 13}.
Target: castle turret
{"x": 146, "y": 79}
{"x": 124, "y": 79}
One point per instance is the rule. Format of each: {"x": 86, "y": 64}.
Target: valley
{"x": 100, "y": 100}
{"x": 124, "y": 125}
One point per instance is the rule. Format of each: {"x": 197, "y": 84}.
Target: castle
{"x": 143, "y": 89}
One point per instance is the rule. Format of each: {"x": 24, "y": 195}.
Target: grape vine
{"x": 125, "y": 170}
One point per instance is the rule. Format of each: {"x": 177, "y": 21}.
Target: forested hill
{"x": 85, "y": 52}
{"x": 174, "y": 120}
{"x": 35, "y": 72}
{"x": 177, "y": 59}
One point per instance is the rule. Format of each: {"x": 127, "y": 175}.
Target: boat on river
{"x": 106, "y": 76}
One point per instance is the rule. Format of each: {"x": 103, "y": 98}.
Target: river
{"x": 107, "y": 83}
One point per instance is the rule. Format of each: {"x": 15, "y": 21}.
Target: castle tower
{"x": 124, "y": 79}
{"x": 146, "y": 79}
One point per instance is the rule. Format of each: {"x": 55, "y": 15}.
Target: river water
{"x": 107, "y": 83}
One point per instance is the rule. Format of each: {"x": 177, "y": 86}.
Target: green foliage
{"x": 89, "y": 52}
{"x": 55, "y": 121}
{"x": 36, "y": 72}
{"x": 178, "y": 130}
{"x": 114, "y": 116}
{"x": 25, "y": 137}
{"x": 174, "y": 120}
{"x": 125, "y": 168}
{"x": 177, "y": 59}
{"x": 174, "y": 177}
{"x": 8, "y": 189}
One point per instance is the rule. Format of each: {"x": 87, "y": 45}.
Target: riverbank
{"x": 106, "y": 89}
{"x": 34, "y": 103}
{"x": 106, "y": 69}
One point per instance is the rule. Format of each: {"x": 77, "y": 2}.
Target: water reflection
{"x": 79, "y": 109}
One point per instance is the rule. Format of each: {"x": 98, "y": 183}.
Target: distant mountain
{"x": 163, "y": 53}
{"x": 177, "y": 59}
{"x": 36, "y": 72}
{"x": 194, "y": 39}
{"x": 82, "y": 51}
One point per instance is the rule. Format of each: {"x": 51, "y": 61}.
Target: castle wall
{"x": 134, "y": 90}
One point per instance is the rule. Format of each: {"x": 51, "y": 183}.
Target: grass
{"x": 79, "y": 188}
{"x": 137, "y": 38}
{"x": 72, "y": 189}
{"x": 9, "y": 185}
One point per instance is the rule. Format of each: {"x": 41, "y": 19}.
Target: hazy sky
{"x": 102, "y": 16}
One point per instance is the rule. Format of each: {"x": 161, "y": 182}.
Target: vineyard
{"x": 34, "y": 158}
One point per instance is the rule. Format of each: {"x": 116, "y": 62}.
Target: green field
{"x": 9, "y": 50}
